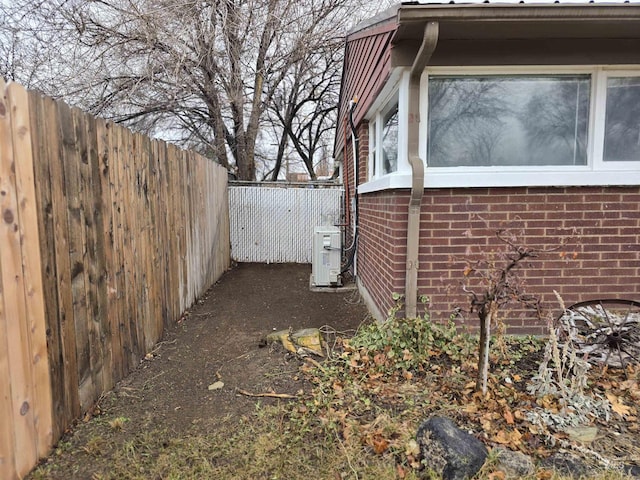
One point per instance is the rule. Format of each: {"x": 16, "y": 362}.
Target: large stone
{"x": 449, "y": 451}
{"x": 514, "y": 464}
{"x": 632, "y": 471}
{"x": 566, "y": 463}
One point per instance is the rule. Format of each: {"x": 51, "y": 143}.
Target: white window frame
{"x": 376, "y": 130}
{"x": 595, "y": 172}
{"x": 600, "y": 81}
{"x": 395, "y": 93}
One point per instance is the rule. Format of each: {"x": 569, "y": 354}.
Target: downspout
{"x": 429, "y": 41}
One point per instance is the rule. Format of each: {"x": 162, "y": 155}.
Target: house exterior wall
{"x": 458, "y": 224}
{"x": 366, "y": 68}
{"x": 382, "y": 247}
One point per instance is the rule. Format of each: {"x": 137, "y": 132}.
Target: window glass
{"x": 622, "y": 120}
{"x": 390, "y": 141}
{"x": 372, "y": 150}
{"x": 508, "y": 120}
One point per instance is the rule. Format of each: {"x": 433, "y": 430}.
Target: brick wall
{"x": 363, "y": 152}
{"x": 382, "y": 245}
{"x": 457, "y": 224}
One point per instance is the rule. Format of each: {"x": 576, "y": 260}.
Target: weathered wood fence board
{"x": 26, "y": 399}
{"x": 106, "y": 237}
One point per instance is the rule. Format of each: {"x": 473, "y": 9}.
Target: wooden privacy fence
{"x": 106, "y": 237}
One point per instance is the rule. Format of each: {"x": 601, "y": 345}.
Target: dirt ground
{"x": 219, "y": 339}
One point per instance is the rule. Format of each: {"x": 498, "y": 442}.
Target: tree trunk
{"x": 486, "y": 316}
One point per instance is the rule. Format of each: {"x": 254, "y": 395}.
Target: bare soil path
{"x": 219, "y": 339}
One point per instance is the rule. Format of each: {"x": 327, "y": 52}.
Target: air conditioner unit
{"x": 327, "y": 251}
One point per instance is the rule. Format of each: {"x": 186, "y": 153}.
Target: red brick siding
{"x": 363, "y": 153}
{"x": 382, "y": 245}
{"x": 461, "y": 223}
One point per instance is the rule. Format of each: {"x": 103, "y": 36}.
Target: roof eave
{"x": 385, "y": 20}
{"x": 520, "y": 20}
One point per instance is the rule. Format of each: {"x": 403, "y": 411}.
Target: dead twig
{"x": 161, "y": 344}
{"x": 314, "y": 362}
{"x": 268, "y": 394}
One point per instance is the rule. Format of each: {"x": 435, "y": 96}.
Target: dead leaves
{"x": 508, "y": 416}
{"x": 619, "y": 407}
{"x": 366, "y": 382}
{"x": 385, "y": 434}
{"x": 497, "y": 475}
{"x": 512, "y": 438}
{"x": 379, "y": 444}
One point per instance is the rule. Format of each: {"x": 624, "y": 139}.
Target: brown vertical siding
{"x": 366, "y": 68}
{"x": 457, "y": 224}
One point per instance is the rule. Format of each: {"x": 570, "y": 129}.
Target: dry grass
{"x": 357, "y": 422}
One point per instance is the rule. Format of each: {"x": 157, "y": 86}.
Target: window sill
{"x": 466, "y": 179}
{"x": 388, "y": 182}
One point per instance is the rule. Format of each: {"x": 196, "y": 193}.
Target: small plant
{"x": 118, "y": 422}
{"x": 409, "y": 343}
{"x": 500, "y": 284}
{"x": 561, "y": 386}
{"x": 95, "y": 445}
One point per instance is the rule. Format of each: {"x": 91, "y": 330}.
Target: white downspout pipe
{"x": 429, "y": 41}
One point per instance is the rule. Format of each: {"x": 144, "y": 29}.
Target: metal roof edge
{"x": 381, "y": 18}
{"x": 499, "y": 10}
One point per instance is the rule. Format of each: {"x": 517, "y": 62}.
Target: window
{"x": 507, "y": 120}
{"x": 390, "y": 141}
{"x": 384, "y": 142}
{"x": 622, "y": 120}
{"x": 510, "y": 126}
{"x": 373, "y": 150}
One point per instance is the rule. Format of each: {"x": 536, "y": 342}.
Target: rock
{"x": 632, "y": 470}
{"x": 449, "y": 451}
{"x": 566, "y": 464}
{"x": 582, "y": 434}
{"x": 514, "y": 464}
{"x": 307, "y": 339}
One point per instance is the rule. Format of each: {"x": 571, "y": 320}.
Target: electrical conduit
{"x": 355, "y": 143}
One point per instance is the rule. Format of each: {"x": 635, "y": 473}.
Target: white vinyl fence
{"x": 275, "y": 224}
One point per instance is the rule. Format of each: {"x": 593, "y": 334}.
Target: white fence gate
{"x": 274, "y": 224}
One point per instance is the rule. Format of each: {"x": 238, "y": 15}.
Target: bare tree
{"x": 201, "y": 73}
{"x": 305, "y": 106}
{"x": 498, "y": 283}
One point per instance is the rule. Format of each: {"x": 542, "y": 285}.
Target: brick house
{"x": 474, "y": 117}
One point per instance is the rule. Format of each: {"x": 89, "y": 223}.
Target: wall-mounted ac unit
{"x": 327, "y": 248}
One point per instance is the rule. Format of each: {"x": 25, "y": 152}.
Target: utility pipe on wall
{"x": 429, "y": 41}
